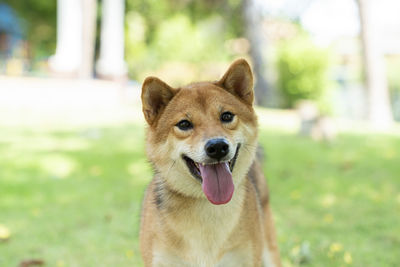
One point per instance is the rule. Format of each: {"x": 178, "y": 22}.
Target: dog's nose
{"x": 217, "y": 148}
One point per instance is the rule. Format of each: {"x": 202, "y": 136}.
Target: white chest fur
{"x": 204, "y": 229}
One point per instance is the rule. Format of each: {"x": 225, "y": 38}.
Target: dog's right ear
{"x": 155, "y": 96}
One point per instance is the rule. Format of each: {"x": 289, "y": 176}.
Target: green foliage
{"x": 38, "y": 19}
{"x": 176, "y": 39}
{"x": 393, "y": 66}
{"x": 302, "y": 70}
{"x": 155, "y": 12}
{"x": 162, "y": 31}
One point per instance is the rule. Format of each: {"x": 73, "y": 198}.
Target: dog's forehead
{"x": 201, "y": 89}
{"x": 203, "y": 95}
{"x": 199, "y": 86}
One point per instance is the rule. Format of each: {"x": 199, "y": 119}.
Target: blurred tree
{"x": 253, "y": 20}
{"x": 176, "y": 30}
{"x": 155, "y": 12}
{"x": 379, "y": 109}
{"x": 394, "y": 85}
{"x": 302, "y": 71}
{"x": 39, "y": 24}
{"x": 184, "y": 31}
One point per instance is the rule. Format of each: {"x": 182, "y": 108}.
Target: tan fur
{"x": 179, "y": 226}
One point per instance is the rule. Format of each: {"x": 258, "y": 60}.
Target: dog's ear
{"x": 155, "y": 96}
{"x": 238, "y": 80}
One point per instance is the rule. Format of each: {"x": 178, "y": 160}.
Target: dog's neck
{"x": 199, "y": 225}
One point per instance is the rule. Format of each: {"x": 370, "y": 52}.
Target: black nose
{"x": 217, "y": 148}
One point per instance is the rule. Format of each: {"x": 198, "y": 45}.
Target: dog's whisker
{"x": 172, "y": 165}
{"x": 247, "y": 146}
{"x": 251, "y": 146}
{"x": 247, "y": 149}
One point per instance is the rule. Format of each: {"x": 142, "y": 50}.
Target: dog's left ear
{"x": 156, "y": 95}
{"x": 238, "y": 80}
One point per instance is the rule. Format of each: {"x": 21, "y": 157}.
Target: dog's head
{"x": 202, "y": 137}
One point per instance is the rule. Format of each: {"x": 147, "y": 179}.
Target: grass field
{"x": 72, "y": 198}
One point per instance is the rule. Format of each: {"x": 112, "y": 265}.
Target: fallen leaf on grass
{"x": 335, "y": 247}
{"x": 328, "y": 218}
{"x": 347, "y": 165}
{"x": 295, "y": 195}
{"x": 347, "y": 258}
{"x": 60, "y": 263}
{"x": 95, "y": 171}
{"x": 108, "y": 217}
{"x": 4, "y": 233}
{"x": 129, "y": 253}
{"x": 328, "y": 200}
{"x": 32, "y": 262}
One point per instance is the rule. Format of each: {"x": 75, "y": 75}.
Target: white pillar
{"x": 111, "y": 63}
{"x": 68, "y": 55}
{"x": 89, "y": 9}
{"x": 380, "y": 114}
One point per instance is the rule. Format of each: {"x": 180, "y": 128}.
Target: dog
{"x": 207, "y": 204}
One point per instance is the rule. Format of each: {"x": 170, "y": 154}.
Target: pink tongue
{"x": 217, "y": 182}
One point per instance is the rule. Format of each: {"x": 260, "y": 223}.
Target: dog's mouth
{"x": 215, "y": 177}
{"x": 194, "y": 167}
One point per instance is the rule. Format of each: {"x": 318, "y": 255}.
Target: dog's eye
{"x": 184, "y": 125}
{"x": 227, "y": 116}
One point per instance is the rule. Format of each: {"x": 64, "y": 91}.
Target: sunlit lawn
{"x": 72, "y": 198}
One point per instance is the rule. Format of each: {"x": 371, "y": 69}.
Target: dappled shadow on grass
{"x": 73, "y": 197}
{"x": 346, "y": 193}
{"x": 68, "y": 196}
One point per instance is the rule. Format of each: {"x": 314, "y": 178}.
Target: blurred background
{"x": 72, "y": 164}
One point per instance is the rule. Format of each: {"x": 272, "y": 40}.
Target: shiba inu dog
{"x": 207, "y": 204}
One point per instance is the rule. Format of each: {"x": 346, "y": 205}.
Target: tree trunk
{"x": 253, "y": 31}
{"x": 379, "y": 110}
{"x": 89, "y": 8}
{"x": 111, "y": 63}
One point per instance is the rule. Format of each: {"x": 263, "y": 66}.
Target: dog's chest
{"x": 205, "y": 230}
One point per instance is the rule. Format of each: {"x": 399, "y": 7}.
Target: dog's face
{"x": 202, "y": 137}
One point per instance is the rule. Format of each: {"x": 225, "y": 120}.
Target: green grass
{"x": 72, "y": 198}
